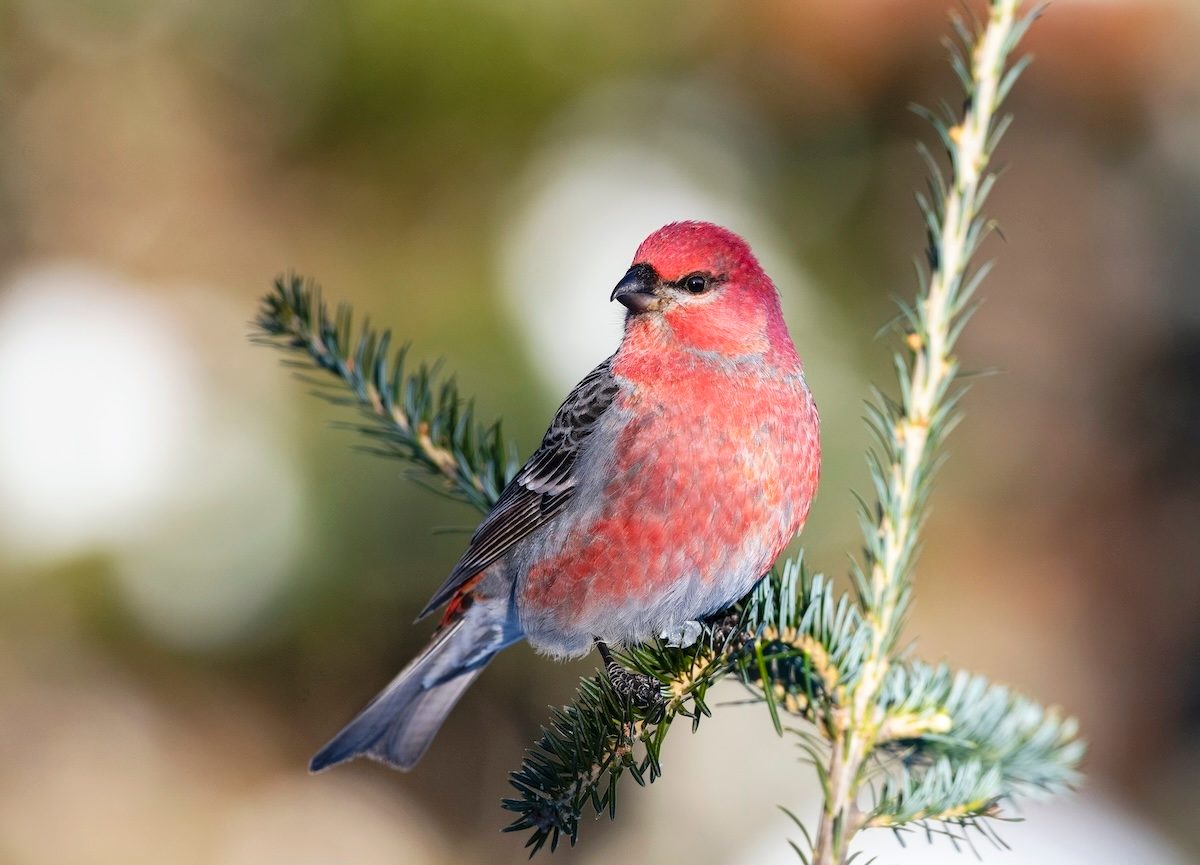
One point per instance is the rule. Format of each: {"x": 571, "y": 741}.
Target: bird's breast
{"x": 705, "y": 476}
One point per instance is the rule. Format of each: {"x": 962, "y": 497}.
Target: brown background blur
{"x": 200, "y": 580}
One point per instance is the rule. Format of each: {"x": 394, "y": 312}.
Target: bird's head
{"x": 701, "y": 286}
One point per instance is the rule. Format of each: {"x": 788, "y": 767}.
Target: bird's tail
{"x": 398, "y": 725}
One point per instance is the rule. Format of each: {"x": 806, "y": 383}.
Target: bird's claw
{"x": 642, "y": 690}
{"x": 725, "y": 627}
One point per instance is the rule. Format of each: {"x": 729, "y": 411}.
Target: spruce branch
{"x": 909, "y": 432}
{"x": 588, "y": 745}
{"x": 416, "y": 416}
{"x": 894, "y": 742}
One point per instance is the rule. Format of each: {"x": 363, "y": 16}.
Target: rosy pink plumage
{"x": 669, "y": 481}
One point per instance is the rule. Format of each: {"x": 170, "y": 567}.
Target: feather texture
{"x": 542, "y": 488}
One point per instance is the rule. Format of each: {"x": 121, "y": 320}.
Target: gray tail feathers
{"x": 397, "y": 727}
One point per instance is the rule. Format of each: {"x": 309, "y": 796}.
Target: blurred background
{"x": 200, "y": 580}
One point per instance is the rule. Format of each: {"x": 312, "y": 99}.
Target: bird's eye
{"x": 697, "y": 283}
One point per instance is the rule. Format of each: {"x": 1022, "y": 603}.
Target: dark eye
{"x": 697, "y": 283}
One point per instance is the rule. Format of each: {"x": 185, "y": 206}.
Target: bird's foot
{"x": 642, "y": 690}
{"x": 726, "y": 627}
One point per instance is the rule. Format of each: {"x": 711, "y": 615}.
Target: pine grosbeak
{"x": 669, "y": 481}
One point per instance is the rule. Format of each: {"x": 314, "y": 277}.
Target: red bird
{"x": 668, "y": 483}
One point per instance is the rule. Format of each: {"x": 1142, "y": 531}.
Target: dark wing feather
{"x": 541, "y": 488}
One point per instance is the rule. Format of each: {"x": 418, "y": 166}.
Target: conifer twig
{"x": 417, "y": 417}
{"x": 910, "y": 431}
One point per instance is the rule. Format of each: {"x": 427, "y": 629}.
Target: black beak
{"x": 637, "y": 290}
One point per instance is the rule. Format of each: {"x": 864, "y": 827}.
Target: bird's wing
{"x": 541, "y": 488}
